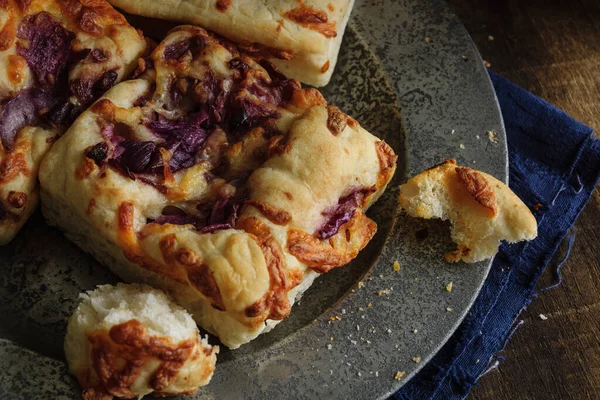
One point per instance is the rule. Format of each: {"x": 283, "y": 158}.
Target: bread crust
{"x": 237, "y": 282}
{"x": 308, "y": 32}
{"x": 93, "y": 25}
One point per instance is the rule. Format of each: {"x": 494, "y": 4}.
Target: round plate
{"x": 357, "y": 325}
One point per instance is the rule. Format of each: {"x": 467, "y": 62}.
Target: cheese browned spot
{"x": 336, "y": 120}
{"x": 478, "y": 187}
{"x": 277, "y": 146}
{"x": 17, "y": 199}
{"x": 273, "y": 214}
{"x": 105, "y": 108}
{"x": 13, "y": 165}
{"x": 223, "y": 5}
{"x": 16, "y": 68}
{"x": 340, "y": 249}
{"x": 203, "y": 279}
{"x": 325, "y": 67}
{"x": 85, "y": 168}
{"x": 131, "y": 341}
{"x": 313, "y": 19}
{"x": 307, "y": 98}
{"x": 8, "y": 34}
{"x": 275, "y": 303}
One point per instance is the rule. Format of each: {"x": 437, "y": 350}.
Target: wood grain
{"x": 551, "y": 48}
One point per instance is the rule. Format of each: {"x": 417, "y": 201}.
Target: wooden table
{"x": 551, "y": 48}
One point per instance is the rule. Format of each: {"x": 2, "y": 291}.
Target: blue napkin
{"x": 554, "y": 167}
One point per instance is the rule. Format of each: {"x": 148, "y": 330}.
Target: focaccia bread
{"x": 131, "y": 340}
{"x": 483, "y": 211}
{"x": 217, "y": 179}
{"x": 56, "y": 58}
{"x": 302, "y": 38}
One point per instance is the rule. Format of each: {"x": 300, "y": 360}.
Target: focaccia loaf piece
{"x": 56, "y": 58}
{"x": 303, "y": 37}
{"x": 483, "y": 211}
{"x": 217, "y": 179}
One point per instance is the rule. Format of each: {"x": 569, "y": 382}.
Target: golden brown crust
{"x": 340, "y": 249}
{"x": 273, "y": 214}
{"x": 478, "y": 187}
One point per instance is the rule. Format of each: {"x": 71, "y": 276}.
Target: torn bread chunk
{"x": 131, "y": 340}
{"x": 216, "y": 178}
{"x": 483, "y": 211}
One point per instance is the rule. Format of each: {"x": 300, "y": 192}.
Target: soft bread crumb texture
{"x": 482, "y": 210}
{"x": 133, "y": 340}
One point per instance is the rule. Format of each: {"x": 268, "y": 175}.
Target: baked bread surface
{"x": 56, "y": 58}
{"x": 300, "y": 176}
{"x": 303, "y": 38}
{"x": 483, "y": 211}
{"x": 131, "y": 340}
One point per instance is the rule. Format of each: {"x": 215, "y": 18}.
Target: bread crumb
{"x": 331, "y": 338}
{"x": 449, "y": 287}
{"x": 361, "y": 284}
{"x": 462, "y": 146}
{"x": 487, "y": 64}
{"x": 490, "y": 38}
{"x": 329, "y": 347}
{"x": 376, "y": 373}
{"x": 369, "y": 305}
{"x": 361, "y": 309}
{"x": 399, "y": 375}
{"x": 383, "y": 291}
{"x": 543, "y": 317}
{"x": 427, "y": 40}
{"x": 416, "y": 331}
{"x": 389, "y": 330}
{"x": 449, "y": 309}
{"x": 396, "y": 266}
{"x": 359, "y": 374}
{"x": 493, "y": 136}
{"x": 416, "y": 359}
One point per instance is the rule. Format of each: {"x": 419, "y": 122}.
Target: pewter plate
{"x": 430, "y": 99}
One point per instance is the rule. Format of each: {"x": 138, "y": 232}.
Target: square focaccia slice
{"x": 56, "y": 58}
{"x": 302, "y": 38}
{"x": 218, "y": 179}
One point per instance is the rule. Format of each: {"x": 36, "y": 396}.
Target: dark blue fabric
{"x": 555, "y": 162}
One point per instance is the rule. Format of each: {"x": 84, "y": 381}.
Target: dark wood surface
{"x": 551, "y": 48}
